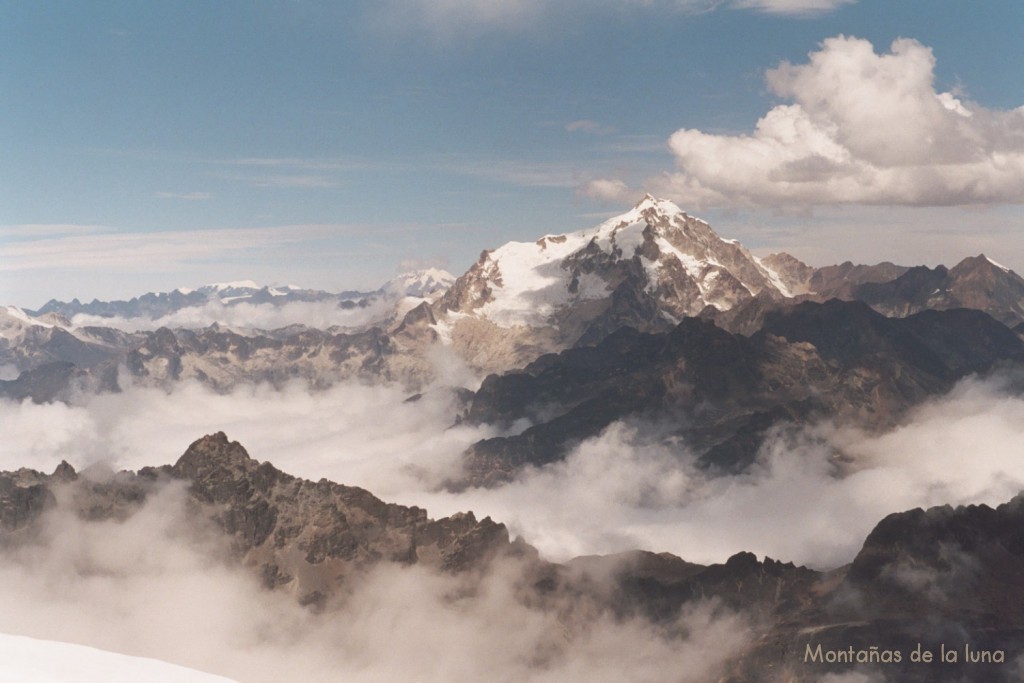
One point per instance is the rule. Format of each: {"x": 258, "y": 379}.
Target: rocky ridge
{"x": 302, "y": 536}
{"x": 723, "y": 391}
{"x": 940, "y": 575}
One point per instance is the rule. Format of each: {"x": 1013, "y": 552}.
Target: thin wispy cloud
{"x": 860, "y": 128}
{"x": 792, "y": 7}
{"x": 300, "y": 163}
{"x": 446, "y": 18}
{"x": 558, "y": 174}
{"x": 607, "y": 189}
{"x": 37, "y": 230}
{"x": 590, "y": 127}
{"x": 142, "y": 251}
{"x": 188, "y": 196}
{"x": 290, "y": 181}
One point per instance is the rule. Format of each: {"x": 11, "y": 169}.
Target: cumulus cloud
{"x": 861, "y": 128}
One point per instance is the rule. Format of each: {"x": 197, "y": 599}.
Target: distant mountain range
{"x": 649, "y": 313}
{"x": 420, "y": 284}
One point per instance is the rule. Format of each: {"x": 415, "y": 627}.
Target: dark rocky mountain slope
{"x": 722, "y": 391}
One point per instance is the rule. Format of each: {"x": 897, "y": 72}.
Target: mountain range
{"x": 647, "y": 269}
{"x": 648, "y": 314}
{"x": 950, "y": 576}
{"x": 649, "y": 319}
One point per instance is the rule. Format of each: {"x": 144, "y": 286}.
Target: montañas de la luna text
{"x": 876, "y": 655}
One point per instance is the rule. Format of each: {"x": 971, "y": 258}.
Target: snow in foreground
{"x": 24, "y": 659}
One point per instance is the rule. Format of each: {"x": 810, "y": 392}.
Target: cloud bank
{"x": 264, "y": 316}
{"x": 812, "y": 496}
{"x": 160, "y": 584}
{"x": 860, "y": 128}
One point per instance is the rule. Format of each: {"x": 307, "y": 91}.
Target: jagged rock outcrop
{"x": 316, "y": 533}
{"x": 306, "y": 537}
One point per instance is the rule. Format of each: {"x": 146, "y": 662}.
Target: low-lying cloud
{"x": 812, "y": 496}
{"x": 160, "y": 585}
{"x": 263, "y": 316}
{"x": 860, "y": 128}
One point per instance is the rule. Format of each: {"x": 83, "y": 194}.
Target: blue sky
{"x": 150, "y": 145}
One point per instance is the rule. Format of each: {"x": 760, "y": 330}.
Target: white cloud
{"x": 607, "y": 189}
{"x": 588, "y": 126}
{"x": 792, "y": 7}
{"x": 285, "y": 180}
{"x": 37, "y": 230}
{"x": 620, "y": 490}
{"x": 862, "y": 128}
{"x": 447, "y": 18}
{"x": 88, "y": 249}
{"x": 159, "y": 584}
{"x": 189, "y": 196}
{"x": 265, "y": 316}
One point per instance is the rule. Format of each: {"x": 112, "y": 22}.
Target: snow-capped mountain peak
{"x": 677, "y": 260}
{"x": 646, "y": 268}
{"x": 420, "y": 283}
{"x": 224, "y": 286}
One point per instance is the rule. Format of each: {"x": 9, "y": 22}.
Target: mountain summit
{"x": 647, "y": 268}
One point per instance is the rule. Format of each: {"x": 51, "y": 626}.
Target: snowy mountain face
{"x": 423, "y": 284}
{"x": 684, "y": 266}
{"x": 647, "y": 268}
